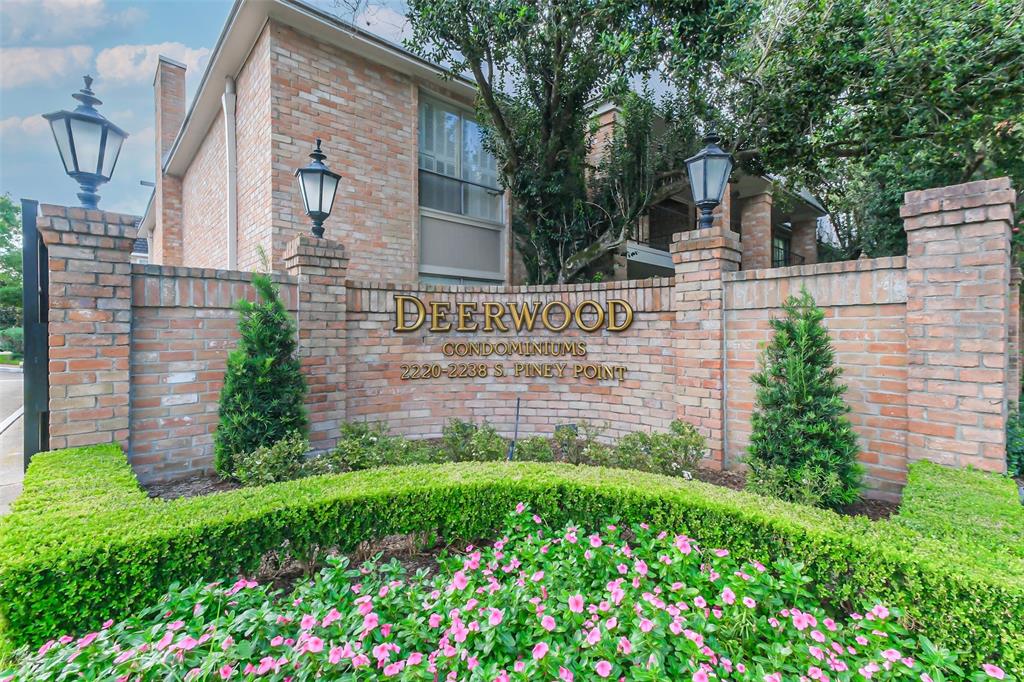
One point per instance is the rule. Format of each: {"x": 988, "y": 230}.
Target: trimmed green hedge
{"x": 973, "y": 507}
{"x": 84, "y": 543}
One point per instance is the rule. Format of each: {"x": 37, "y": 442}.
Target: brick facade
{"x": 927, "y": 343}
{"x": 756, "y": 219}
{"x": 169, "y": 96}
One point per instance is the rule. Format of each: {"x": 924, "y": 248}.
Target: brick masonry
{"x": 928, "y": 343}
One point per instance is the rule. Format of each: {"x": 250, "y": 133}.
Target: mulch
{"x": 205, "y": 484}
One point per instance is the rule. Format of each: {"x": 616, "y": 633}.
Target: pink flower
{"x": 434, "y": 620}
{"x": 540, "y": 650}
{"x": 773, "y": 677}
{"x": 520, "y": 507}
{"x": 646, "y": 625}
{"x": 226, "y": 671}
{"x": 459, "y": 581}
{"x": 728, "y": 596}
{"x": 415, "y": 658}
{"x": 595, "y": 540}
{"x": 334, "y": 656}
{"x": 565, "y": 674}
{"x": 502, "y": 677}
{"x": 603, "y": 668}
{"x": 700, "y": 676}
{"x": 880, "y": 611}
{"x": 308, "y": 622}
{"x": 496, "y": 617}
{"x": 993, "y": 671}
{"x": 537, "y": 577}
{"x": 576, "y": 603}
{"x": 548, "y": 623}
{"x": 593, "y": 636}
{"x": 749, "y": 603}
{"x": 625, "y": 646}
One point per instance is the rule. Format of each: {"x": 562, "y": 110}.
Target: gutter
{"x": 228, "y": 101}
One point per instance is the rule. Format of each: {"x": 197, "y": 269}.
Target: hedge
{"x": 84, "y": 543}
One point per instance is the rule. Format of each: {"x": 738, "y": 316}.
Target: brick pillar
{"x": 756, "y": 229}
{"x": 1013, "y": 382}
{"x": 722, "y": 214}
{"x": 958, "y": 322}
{"x": 90, "y": 323}
{"x": 320, "y": 266}
{"x": 169, "y": 96}
{"x": 805, "y": 241}
{"x": 701, "y": 257}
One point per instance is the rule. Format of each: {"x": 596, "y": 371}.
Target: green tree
{"x": 541, "y": 67}
{"x": 802, "y": 447}
{"x": 264, "y": 391}
{"x": 862, "y": 100}
{"x": 10, "y": 263}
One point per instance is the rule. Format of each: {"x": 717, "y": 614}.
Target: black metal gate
{"x": 37, "y": 338}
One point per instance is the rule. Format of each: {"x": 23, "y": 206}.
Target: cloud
{"x": 137, "y": 63}
{"x": 35, "y": 65}
{"x": 385, "y": 22}
{"x": 59, "y": 21}
{"x": 28, "y": 126}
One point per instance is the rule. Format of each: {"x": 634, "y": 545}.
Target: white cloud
{"x": 385, "y": 22}
{"x": 28, "y": 126}
{"x": 137, "y": 63}
{"x": 35, "y": 65}
{"x": 59, "y": 21}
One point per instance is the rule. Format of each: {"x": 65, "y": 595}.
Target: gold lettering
{"x": 493, "y": 312}
{"x": 613, "y": 325}
{"x": 400, "y": 323}
{"x": 523, "y": 315}
{"x": 439, "y": 313}
{"x": 598, "y": 322}
{"x": 465, "y": 315}
{"x": 545, "y": 316}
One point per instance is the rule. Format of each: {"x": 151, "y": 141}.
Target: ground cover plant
{"x": 540, "y": 603}
{"x": 85, "y": 544}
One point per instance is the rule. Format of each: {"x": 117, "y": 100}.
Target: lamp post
{"x": 318, "y": 185}
{"x": 709, "y": 171}
{"x": 89, "y": 144}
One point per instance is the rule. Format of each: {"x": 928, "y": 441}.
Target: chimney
{"x": 169, "y": 95}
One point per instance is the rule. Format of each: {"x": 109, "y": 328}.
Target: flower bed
{"x": 85, "y": 544}
{"x": 539, "y": 604}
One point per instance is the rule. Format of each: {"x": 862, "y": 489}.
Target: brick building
{"x": 419, "y": 198}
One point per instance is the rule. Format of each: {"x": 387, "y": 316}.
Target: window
{"x": 780, "y": 252}
{"x": 462, "y": 208}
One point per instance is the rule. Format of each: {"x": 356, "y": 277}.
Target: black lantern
{"x": 88, "y": 143}
{"x": 709, "y": 172}
{"x": 318, "y": 185}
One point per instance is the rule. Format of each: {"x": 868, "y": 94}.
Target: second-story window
{"x": 462, "y": 206}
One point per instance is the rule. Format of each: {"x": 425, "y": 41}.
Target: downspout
{"x": 231, "y": 148}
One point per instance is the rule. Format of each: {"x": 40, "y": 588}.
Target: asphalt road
{"x": 10, "y": 440}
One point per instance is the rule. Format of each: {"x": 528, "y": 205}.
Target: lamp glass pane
{"x": 717, "y": 174}
{"x": 311, "y": 191}
{"x": 113, "y": 150}
{"x": 696, "y": 170}
{"x": 60, "y": 134}
{"x": 85, "y": 136}
{"x": 330, "y": 187}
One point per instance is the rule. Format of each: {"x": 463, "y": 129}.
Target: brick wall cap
{"x": 861, "y": 265}
{"x": 305, "y": 247}
{"x": 120, "y": 228}
{"x": 932, "y": 200}
{"x": 705, "y": 239}
{"x": 503, "y": 289}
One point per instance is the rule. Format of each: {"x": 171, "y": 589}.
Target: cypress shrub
{"x": 264, "y": 390}
{"x": 802, "y": 448}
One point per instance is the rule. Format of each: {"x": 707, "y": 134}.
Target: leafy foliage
{"x": 676, "y": 453}
{"x": 541, "y": 69}
{"x": 542, "y": 603}
{"x": 464, "y": 441}
{"x": 11, "y": 267}
{"x": 282, "y": 461}
{"x": 84, "y": 543}
{"x": 802, "y": 447}
{"x": 366, "y": 446}
{"x": 1015, "y": 442}
{"x": 264, "y": 390}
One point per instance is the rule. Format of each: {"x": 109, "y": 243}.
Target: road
{"x": 10, "y": 440}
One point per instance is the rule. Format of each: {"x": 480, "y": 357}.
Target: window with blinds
{"x": 462, "y": 220}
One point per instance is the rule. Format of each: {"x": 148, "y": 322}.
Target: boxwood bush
{"x": 84, "y": 543}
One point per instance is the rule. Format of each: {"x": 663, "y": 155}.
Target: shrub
{"x": 365, "y": 446}
{"x": 542, "y": 603}
{"x": 464, "y": 441}
{"x": 84, "y": 543}
{"x": 802, "y": 447}
{"x": 13, "y": 339}
{"x": 675, "y": 453}
{"x": 282, "y": 461}
{"x": 581, "y": 445}
{"x": 534, "y": 449}
{"x": 263, "y": 394}
{"x": 1015, "y": 442}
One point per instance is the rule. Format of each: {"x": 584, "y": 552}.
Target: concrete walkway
{"x": 11, "y": 445}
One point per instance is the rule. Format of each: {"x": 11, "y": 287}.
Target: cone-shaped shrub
{"x": 802, "y": 447}
{"x": 264, "y": 391}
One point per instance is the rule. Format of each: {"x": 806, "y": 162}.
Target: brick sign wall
{"x": 928, "y": 343}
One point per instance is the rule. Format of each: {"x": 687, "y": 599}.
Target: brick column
{"x": 90, "y": 323}
{"x": 169, "y": 96}
{"x": 1013, "y": 382}
{"x": 756, "y": 229}
{"x": 700, "y": 257}
{"x": 958, "y": 322}
{"x": 319, "y": 265}
{"x": 805, "y": 240}
{"x": 722, "y": 214}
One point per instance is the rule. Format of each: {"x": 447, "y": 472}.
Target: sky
{"x": 46, "y": 46}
